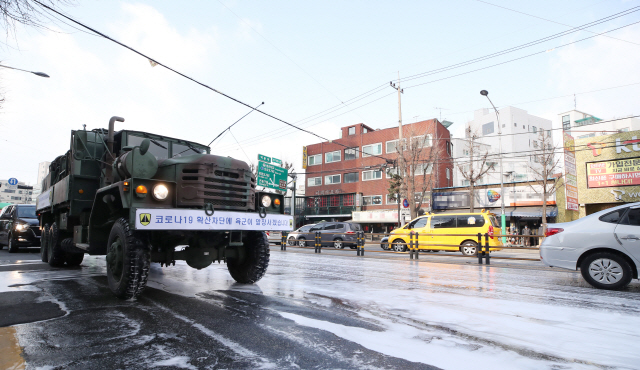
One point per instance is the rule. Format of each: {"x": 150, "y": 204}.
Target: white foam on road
{"x": 181, "y": 362}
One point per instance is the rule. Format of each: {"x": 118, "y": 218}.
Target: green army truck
{"x": 136, "y": 196}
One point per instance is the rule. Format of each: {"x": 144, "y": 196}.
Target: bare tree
{"x": 544, "y": 167}
{"x": 26, "y": 12}
{"x": 477, "y": 164}
{"x": 413, "y": 176}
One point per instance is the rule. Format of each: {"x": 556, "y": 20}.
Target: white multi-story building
{"x": 43, "y": 171}
{"x": 18, "y": 194}
{"x": 582, "y": 125}
{"x": 520, "y": 140}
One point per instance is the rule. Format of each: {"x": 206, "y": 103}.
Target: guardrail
{"x": 481, "y": 242}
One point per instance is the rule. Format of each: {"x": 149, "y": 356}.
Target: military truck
{"x": 136, "y": 197}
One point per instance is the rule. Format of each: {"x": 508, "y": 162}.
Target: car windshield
{"x": 26, "y": 212}
{"x": 305, "y": 228}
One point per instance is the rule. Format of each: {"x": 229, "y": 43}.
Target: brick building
{"x": 348, "y": 178}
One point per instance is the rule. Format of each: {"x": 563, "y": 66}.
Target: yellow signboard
{"x": 304, "y": 157}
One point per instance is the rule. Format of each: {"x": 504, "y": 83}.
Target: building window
{"x": 351, "y": 153}
{"x": 372, "y": 200}
{"x": 504, "y": 125}
{"x": 364, "y": 130}
{"x": 421, "y": 141}
{"x": 334, "y": 201}
{"x": 418, "y": 197}
{"x": 487, "y": 129}
{"x": 515, "y": 124}
{"x": 464, "y": 182}
{"x": 350, "y": 177}
{"x": 626, "y": 129}
{"x": 352, "y": 130}
{"x": 332, "y": 179}
{"x": 465, "y": 151}
{"x": 371, "y": 175}
{"x": 391, "y": 171}
{"x": 535, "y": 144}
{"x": 534, "y": 129}
{"x": 422, "y": 168}
{"x": 347, "y": 200}
{"x": 391, "y": 199}
{"x": 314, "y": 181}
{"x": 449, "y": 145}
{"x": 331, "y": 157}
{"x": 373, "y": 149}
{"x": 448, "y": 174}
{"x": 314, "y": 160}
{"x": 392, "y": 146}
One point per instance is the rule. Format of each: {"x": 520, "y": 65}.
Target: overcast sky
{"x": 307, "y": 61}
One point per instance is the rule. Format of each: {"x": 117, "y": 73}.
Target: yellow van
{"x": 457, "y": 227}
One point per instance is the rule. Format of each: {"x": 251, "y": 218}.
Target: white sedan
{"x": 605, "y": 246}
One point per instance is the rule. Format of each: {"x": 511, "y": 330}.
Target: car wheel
{"x": 55, "y": 254}
{"x": 128, "y": 260}
{"x": 12, "y": 245}
{"x": 338, "y": 244}
{"x": 302, "y": 243}
{"x": 606, "y": 271}
{"x": 468, "y": 248}
{"x": 253, "y": 266}
{"x": 44, "y": 246}
{"x": 398, "y": 245}
{"x": 291, "y": 241}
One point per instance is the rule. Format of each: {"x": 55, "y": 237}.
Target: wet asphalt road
{"x": 308, "y": 312}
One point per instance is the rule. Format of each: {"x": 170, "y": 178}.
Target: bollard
{"x": 283, "y": 243}
{"x": 411, "y": 245}
{"x": 486, "y": 246}
{"x": 478, "y": 248}
{"x": 362, "y": 244}
{"x": 357, "y": 243}
{"x": 315, "y": 243}
{"x": 417, "y": 245}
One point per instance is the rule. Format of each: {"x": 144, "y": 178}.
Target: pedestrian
{"x": 525, "y": 232}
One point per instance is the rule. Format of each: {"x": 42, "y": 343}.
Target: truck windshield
{"x": 180, "y": 150}
{"x": 159, "y": 148}
{"x": 27, "y": 212}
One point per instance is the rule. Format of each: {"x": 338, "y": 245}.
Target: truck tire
{"x": 256, "y": 260}
{"x": 128, "y": 260}
{"x": 44, "y": 246}
{"x": 55, "y": 254}
{"x": 72, "y": 259}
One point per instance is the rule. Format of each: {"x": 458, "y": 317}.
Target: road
{"x": 327, "y": 311}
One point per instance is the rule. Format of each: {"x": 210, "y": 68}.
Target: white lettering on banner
{"x": 194, "y": 219}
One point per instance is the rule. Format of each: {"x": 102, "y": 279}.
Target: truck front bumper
{"x": 197, "y": 219}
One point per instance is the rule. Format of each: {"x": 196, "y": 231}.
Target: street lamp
{"x": 503, "y": 219}
{"x": 41, "y": 74}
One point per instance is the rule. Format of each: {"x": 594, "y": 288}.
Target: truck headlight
{"x": 160, "y": 192}
{"x": 266, "y": 201}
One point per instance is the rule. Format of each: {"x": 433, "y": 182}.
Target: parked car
{"x": 605, "y": 246}
{"x": 274, "y": 237}
{"x": 336, "y": 234}
{"x": 458, "y": 226}
{"x": 292, "y": 238}
{"x": 19, "y": 227}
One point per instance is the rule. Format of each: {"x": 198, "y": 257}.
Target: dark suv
{"x": 336, "y": 234}
{"x": 19, "y": 227}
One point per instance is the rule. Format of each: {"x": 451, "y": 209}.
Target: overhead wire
{"x": 185, "y": 76}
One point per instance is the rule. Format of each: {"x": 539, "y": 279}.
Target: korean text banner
{"x": 194, "y": 219}
{"x": 624, "y": 172}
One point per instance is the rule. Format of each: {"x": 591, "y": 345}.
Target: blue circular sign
{"x": 405, "y": 203}
{"x": 13, "y": 181}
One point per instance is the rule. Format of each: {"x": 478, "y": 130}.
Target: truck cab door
{"x": 628, "y": 233}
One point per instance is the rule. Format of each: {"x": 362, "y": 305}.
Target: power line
{"x": 187, "y": 77}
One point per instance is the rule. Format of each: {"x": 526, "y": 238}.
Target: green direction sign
{"x": 276, "y": 160}
{"x": 264, "y": 158}
{"x": 271, "y": 176}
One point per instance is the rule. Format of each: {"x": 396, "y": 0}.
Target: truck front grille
{"x": 199, "y": 184}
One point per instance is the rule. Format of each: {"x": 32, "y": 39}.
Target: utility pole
{"x": 399, "y": 147}
{"x": 293, "y": 199}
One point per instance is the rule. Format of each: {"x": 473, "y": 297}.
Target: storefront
{"x": 607, "y": 174}
{"x": 379, "y": 221}
{"x": 522, "y": 200}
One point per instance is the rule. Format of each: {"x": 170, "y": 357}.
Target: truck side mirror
{"x": 144, "y": 146}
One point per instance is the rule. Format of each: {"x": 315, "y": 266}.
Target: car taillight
{"x": 350, "y": 232}
{"x": 266, "y": 232}
{"x": 553, "y": 231}
{"x": 490, "y": 231}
